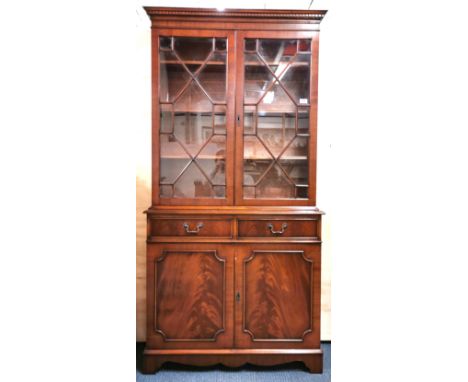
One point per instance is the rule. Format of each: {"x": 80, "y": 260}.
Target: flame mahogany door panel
{"x": 277, "y": 296}
{"x": 190, "y": 296}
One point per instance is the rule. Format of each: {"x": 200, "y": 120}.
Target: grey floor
{"x": 294, "y": 372}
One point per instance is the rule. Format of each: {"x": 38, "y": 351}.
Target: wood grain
{"x": 189, "y": 295}
{"x": 175, "y": 227}
{"x": 294, "y": 228}
{"x": 277, "y": 295}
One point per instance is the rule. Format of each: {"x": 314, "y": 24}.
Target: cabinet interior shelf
{"x": 255, "y": 158}
{"x": 246, "y": 63}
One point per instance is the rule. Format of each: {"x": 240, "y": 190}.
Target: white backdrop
{"x": 392, "y": 104}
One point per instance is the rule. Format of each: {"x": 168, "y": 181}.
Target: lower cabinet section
{"x": 215, "y": 301}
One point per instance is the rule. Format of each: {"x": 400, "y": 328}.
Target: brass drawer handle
{"x": 280, "y": 232}
{"x": 195, "y": 231}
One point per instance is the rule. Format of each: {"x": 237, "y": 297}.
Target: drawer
{"x": 191, "y": 227}
{"x": 279, "y": 228}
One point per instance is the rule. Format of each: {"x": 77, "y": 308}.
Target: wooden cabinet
{"x": 233, "y": 265}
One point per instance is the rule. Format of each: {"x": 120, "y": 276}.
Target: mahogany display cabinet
{"x": 233, "y": 244}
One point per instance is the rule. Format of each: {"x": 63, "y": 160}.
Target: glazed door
{"x": 277, "y": 296}
{"x": 193, "y": 110}
{"x": 276, "y": 112}
{"x": 190, "y": 296}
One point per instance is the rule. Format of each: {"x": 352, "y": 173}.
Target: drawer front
{"x": 279, "y": 228}
{"x": 191, "y": 227}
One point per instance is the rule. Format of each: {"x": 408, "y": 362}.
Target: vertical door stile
{"x": 230, "y": 118}
{"x": 239, "y": 123}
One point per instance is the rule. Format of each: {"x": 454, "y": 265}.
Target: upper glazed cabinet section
{"x": 234, "y": 108}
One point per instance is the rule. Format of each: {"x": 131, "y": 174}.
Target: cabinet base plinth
{"x": 154, "y": 359}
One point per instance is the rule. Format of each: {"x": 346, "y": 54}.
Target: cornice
{"x": 311, "y": 15}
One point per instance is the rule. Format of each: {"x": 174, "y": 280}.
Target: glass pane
{"x": 276, "y": 131}
{"x": 275, "y": 185}
{"x": 220, "y": 120}
{"x": 172, "y": 76}
{"x": 276, "y": 127}
{"x": 302, "y": 192}
{"x": 213, "y": 77}
{"x": 303, "y": 121}
{"x": 249, "y": 192}
{"x": 165, "y": 191}
{"x": 249, "y": 119}
{"x": 221, "y": 44}
{"x": 274, "y": 51}
{"x": 193, "y": 119}
{"x": 193, "y": 99}
{"x": 192, "y": 184}
{"x": 276, "y": 100}
{"x": 165, "y": 42}
{"x": 296, "y": 80}
{"x": 212, "y": 160}
{"x": 257, "y": 79}
{"x": 250, "y": 44}
{"x": 219, "y": 191}
{"x": 166, "y": 119}
{"x": 193, "y": 82}
{"x": 304, "y": 45}
{"x": 257, "y": 160}
{"x": 193, "y": 49}
{"x": 294, "y": 161}
{"x": 173, "y": 159}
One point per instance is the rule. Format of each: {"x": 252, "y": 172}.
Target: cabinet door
{"x": 193, "y": 117}
{"x": 190, "y": 296}
{"x": 278, "y": 296}
{"x": 276, "y": 113}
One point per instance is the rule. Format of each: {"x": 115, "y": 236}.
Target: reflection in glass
{"x": 213, "y": 77}
{"x": 172, "y": 76}
{"x": 276, "y": 118}
{"x": 274, "y": 50}
{"x": 275, "y": 131}
{"x": 249, "y": 119}
{"x": 275, "y": 185}
{"x": 192, "y": 131}
{"x": 165, "y": 42}
{"x": 220, "y": 119}
{"x": 192, "y": 184}
{"x": 257, "y": 79}
{"x": 296, "y": 81}
{"x": 250, "y": 45}
{"x": 165, "y": 118}
{"x": 212, "y": 160}
{"x": 303, "y": 121}
{"x": 193, "y": 49}
{"x": 221, "y": 44}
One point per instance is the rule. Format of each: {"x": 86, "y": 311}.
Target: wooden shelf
{"x": 289, "y": 157}
{"x": 248, "y": 63}
{"x": 181, "y": 157}
{"x": 214, "y": 157}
